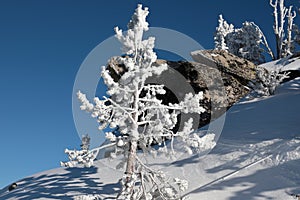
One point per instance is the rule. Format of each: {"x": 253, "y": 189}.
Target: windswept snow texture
{"x": 283, "y": 64}
{"x": 257, "y": 157}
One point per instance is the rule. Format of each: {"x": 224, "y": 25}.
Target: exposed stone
{"x": 221, "y": 92}
{"x": 227, "y": 63}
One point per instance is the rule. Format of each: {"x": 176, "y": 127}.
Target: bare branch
{"x": 103, "y": 147}
{"x": 275, "y": 26}
{"x": 264, "y": 42}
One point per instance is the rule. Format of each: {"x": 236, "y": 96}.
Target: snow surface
{"x": 256, "y": 158}
{"x": 283, "y": 64}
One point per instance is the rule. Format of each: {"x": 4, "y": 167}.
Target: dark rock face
{"x": 12, "y": 187}
{"x": 222, "y": 77}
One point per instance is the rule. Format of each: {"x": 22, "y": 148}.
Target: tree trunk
{"x": 278, "y": 46}
{"x": 131, "y": 160}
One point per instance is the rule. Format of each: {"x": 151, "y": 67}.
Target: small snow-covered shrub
{"x": 268, "y": 81}
{"x": 83, "y": 156}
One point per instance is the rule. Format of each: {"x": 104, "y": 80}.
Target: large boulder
{"x": 223, "y": 77}
{"x": 236, "y": 72}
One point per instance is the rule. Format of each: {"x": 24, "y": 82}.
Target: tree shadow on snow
{"x": 253, "y": 186}
{"x": 245, "y": 156}
{"x": 59, "y": 186}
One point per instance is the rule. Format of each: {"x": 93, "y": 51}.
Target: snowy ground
{"x": 256, "y": 157}
{"x": 284, "y": 64}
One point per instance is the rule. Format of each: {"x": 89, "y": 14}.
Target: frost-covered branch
{"x": 264, "y": 41}
{"x": 145, "y": 122}
{"x": 125, "y": 110}
{"x": 85, "y": 104}
{"x": 275, "y": 14}
{"x": 164, "y": 187}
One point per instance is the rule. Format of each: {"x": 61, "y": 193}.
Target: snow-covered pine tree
{"x": 141, "y": 118}
{"x": 246, "y": 42}
{"x": 221, "y": 31}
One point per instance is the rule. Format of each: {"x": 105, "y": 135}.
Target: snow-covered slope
{"x": 283, "y": 64}
{"x": 256, "y": 157}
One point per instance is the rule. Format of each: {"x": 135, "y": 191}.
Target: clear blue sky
{"x": 42, "y": 45}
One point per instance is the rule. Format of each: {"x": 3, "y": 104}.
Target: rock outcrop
{"x": 223, "y": 77}
{"x": 236, "y": 72}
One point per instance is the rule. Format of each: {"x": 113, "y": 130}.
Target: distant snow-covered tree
{"x": 249, "y": 41}
{"x": 85, "y": 142}
{"x": 246, "y": 42}
{"x": 221, "y": 31}
{"x": 142, "y": 119}
{"x": 83, "y": 156}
